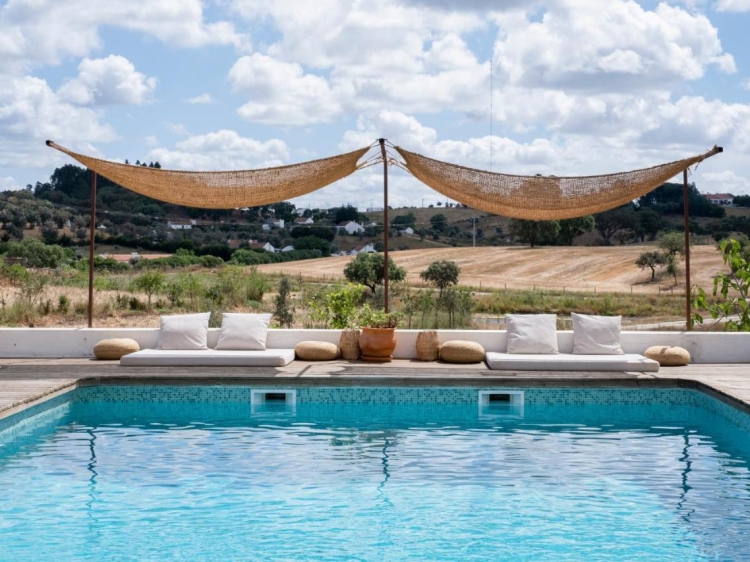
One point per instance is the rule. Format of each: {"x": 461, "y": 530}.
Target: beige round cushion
{"x": 316, "y": 351}
{"x": 115, "y": 348}
{"x": 458, "y": 351}
{"x": 668, "y": 355}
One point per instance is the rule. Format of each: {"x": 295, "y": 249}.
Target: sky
{"x": 553, "y": 87}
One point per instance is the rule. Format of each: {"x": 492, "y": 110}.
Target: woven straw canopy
{"x": 224, "y": 190}
{"x": 541, "y": 197}
{"x": 522, "y": 197}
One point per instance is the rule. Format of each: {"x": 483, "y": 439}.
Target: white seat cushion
{"x": 568, "y": 362}
{"x": 209, "y": 358}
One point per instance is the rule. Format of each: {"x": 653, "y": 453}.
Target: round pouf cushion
{"x": 115, "y": 348}
{"x": 458, "y": 351}
{"x": 316, "y": 351}
{"x": 668, "y": 355}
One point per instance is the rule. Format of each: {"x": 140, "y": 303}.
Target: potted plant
{"x": 378, "y": 338}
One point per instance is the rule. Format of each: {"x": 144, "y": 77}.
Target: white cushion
{"x": 209, "y": 358}
{"x": 531, "y": 333}
{"x": 562, "y": 362}
{"x": 596, "y": 335}
{"x": 243, "y": 331}
{"x": 184, "y": 331}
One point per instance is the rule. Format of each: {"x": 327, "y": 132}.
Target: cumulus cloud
{"x": 109, "y": 81}
{"x": 281, "y": 93}
{"x": 202, "y": 99}
{"x": 725, "y": 181}
{"x": 614, "y": 46}
{"x": 49, "y": 31}
{"x": 733, "y": 5}
{"x": 221, "y": 150}
{"x": 31, "y": 112}
{"x": 8, "y": 184}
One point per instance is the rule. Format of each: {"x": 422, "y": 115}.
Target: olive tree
{"x": 441, "y": 274}
{"x": 651, "y": 260}
{"x": 368, "y": 269}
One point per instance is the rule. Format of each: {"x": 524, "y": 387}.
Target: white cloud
{"x": 108, "y": 81}
{"x": 49, "y": 31}
{"x": 8, "y": 184}
{"x": 726, "y": 181}
{"x": 733, "y": 5}
{"x": 201, "y": 99}
{"x": 221, "y": 150}
{"x": 31, "y": 112}
{"x": 281, "y": 93}
{"x": 614, "y": 46}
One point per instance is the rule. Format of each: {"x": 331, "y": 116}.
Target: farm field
{"x": 601, "y": 269}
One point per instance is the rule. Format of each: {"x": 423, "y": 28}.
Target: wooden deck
{"x": 24, "y": 382}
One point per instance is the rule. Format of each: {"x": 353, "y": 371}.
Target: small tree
{"x": 175, "y": 290}
{"x": 149, "y": 283}
{"x": 343, "y": 304}
{"x": 284, "y": 310}
{"x": 673, "y": 267}
{"x": 439, "y": 222}
{"x": 535, "y": 233}
{"x": 672, "y": 243}
{"x": 442, "y": 274}
{"x": 651, "y": 260}
{"x": 570, "y": 229}
{"x": 368, "y": 269}
{"x": 734, "y": 288}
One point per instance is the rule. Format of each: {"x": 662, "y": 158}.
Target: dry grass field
{"x": 602, "y": 269}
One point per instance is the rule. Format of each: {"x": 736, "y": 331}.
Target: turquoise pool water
{"x": 204, "y": 473}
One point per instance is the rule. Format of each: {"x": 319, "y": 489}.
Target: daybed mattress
{"x": 209, "y": 358}
{"x": 569, "y": 362}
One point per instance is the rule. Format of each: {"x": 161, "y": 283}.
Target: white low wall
{"x": 704, "y": 347}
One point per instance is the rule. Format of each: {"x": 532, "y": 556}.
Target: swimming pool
{"x": 238, "y": 473}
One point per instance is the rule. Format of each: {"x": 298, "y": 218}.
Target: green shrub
{"x": 63, "y": 304}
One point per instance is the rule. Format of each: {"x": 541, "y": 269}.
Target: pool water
{"x": 204, "y": 473}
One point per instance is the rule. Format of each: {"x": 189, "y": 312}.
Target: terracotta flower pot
{"x": 377, "y": 344}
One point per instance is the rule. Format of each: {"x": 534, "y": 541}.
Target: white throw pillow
{"x": 531, "y": 333}
{"x": 596, "y": 335}
{"x": 243, "y": 331}
{"x": 184, "y": 331}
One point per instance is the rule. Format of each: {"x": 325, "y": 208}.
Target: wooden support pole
{"x": 92, "y": 239}
{"x": 688, "y": 288}
{"x": 385, "y": 225}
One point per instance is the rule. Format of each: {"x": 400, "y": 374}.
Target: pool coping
{"x": 40, "y": 380}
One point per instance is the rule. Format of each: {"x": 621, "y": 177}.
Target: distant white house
{"x": 408, "y": 230}
{"x": 180, "y": 225}
{"x": 266, "y": 227}
{"x": 350, "y": 227}
{"x": 267, "y": 246}
{"x": 723, "y": 199}
{"x": 362, "y": 249}
{"x": 287, "y": 248}
{"x": 275, "y": 223}
{"x": 303, "y": 221}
